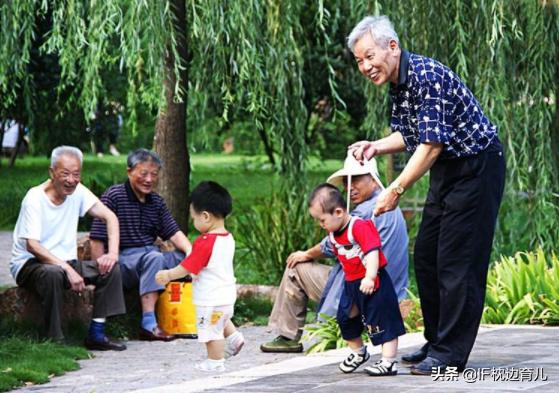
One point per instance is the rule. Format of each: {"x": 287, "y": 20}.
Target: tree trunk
{"x": 170, "y": 139}
{"x": 267, "y": 146}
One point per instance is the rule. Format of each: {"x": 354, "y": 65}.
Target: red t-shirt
{"x": 365, "y": 239}
{"x": 201, "y": 253}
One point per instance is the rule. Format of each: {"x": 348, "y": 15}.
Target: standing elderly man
{"x": 143, "y": 216}
{"x": 44, "y": 256}
{"x": 437, "y": 118}
{"x": 304, "y": 278}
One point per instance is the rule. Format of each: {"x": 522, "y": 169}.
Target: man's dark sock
{"x": 96, "y": 331}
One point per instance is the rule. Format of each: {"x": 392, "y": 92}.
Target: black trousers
{"x": 453, "y": 248}
{"x": 50, "y": 281}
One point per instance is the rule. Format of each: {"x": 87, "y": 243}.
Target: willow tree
{"x": 257, "y": 66}
{"x": 258, "y": 57}
{"x": 143, "y": 38}
{"x": 170, "y": 130}
{"x": 246, "y": 55}
{"x": 507, "y": 52}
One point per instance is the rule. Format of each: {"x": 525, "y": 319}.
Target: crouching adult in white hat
{"x": 305, "y": 279}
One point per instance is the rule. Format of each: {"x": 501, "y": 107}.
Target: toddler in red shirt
{"x": 211, "y": 264}
{"x": 368, "y": 299}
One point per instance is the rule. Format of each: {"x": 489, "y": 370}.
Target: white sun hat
{"x": 352, "y": 167}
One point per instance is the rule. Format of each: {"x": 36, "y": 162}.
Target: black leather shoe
{"x": 417, "y": 356}
{"x": 105, "y": 345}
{"x": 157, "y": 334}
{"x": 427, "y": 366}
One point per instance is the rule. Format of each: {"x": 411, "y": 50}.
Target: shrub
{"x": 254, "y": 310}
{"x": 523, "y": 289}
{"x": 413, "y": 321}
{"x": 323, "y": 335}
{"x": 271, "y": 230}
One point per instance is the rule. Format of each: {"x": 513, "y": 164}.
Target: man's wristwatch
{"x": 397, "y": 188}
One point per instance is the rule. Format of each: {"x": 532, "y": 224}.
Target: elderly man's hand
{"x": 386, "y": 201}
{"x": 297, "y": 257}
{"x": 106, "y": 263}
{"x": 363, "y": 150}
{"x": 76, "y": 281}
{"x": 162, "y": 277}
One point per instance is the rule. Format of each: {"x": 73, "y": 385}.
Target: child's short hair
{"x": 329, "y": 198}
{"x": 211, "y": 197}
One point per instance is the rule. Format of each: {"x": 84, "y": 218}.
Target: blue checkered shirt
{"x": 431, "y": 104}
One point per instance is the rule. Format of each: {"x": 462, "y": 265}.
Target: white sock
{"x": 388, "y": 361}
{"x": 362, "y": 351}
{"x": 211, "y": 365}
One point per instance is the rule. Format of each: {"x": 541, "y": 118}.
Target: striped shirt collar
{"x": 132, "y": 197}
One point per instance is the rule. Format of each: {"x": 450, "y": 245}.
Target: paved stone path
{"x": 168, "y": 367}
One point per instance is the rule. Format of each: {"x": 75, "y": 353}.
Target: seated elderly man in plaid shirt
{"x": 143, "y": 216}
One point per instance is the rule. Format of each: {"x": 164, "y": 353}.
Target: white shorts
{"x": 211, "y": 320}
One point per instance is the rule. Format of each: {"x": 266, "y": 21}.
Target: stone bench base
{"x": 19, "y": 305}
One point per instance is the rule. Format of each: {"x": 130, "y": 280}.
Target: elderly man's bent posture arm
{"x": 143, "y": 216}
{"x": 45, "y": 255}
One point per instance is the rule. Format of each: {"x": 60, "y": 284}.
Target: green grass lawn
{"x": 249, "y": 179}
{"x": 26, "y": 361}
